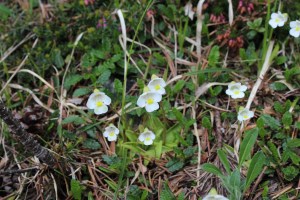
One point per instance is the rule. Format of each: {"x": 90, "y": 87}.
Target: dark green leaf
{"x": 287, "y": 119}
{"x": 212, "y": 169}
{"x": 213, "y": 57}
{"x": 91, "y": 144}
{"x": 224, "y": 160}
{"x": 73, "y": 119}
{"x": 247, "y": 144}
{"x": 255, "y": 168}
{"x": 81, "y": 91}
{"x": 271, "y": 121}
{"x": 72, "y": 80}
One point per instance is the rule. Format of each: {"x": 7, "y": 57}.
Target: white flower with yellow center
{"x": 236, "y": 90}
{"x": 278, "y": 19}
{"x": 157, "y": 85}
{"x": 245, "y": 114}
{"x": 213, "y": 195}
{"x": 295, "y": 28}
{"x": 147, "y": 137}
{"x": 149, "y": 100}
{"x": 99, "y": 102}
{"x": 111, "y": 132}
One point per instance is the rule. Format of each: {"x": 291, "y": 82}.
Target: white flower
{"x": 188, "y": 10}
{"x": 147, "y": 137}
{"x": 149, "y": 100}
{"x": 111, "y": 132}
{"x": 236, "y": 90}
{"x": 245, "y": 114}
{"x": 278, "y": 19}
{"x": 213, "y": 195}
{"x": 295, "y": 28}
{"x": 157, "y": 85}
{"x": 99, "y": 102}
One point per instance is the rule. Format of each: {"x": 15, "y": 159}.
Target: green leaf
{"x": 280, "y": 60}
{"x": 5, "y": 12}
{"x": 293, "y": 143}
{"x": 235, "y": 180}
{"x": 73, "y": 119}
{"x": 212, "y": 169}
{"x": 290, "y": 173}
{"x": 174, "y": 165}
{"x": 214, "y": 56}
{"x": 271, "y": 121}
{"x": 81, "y": 91}
{"x": 91, "y": 144}
{"x": 104, "y": 77}
{"x": 166, "y": 193}
{"x": 224, "y": 160}
{"x": 72, "y": 80}
{"x": 247, "y": 144}
{"x": 206, "y": 123}
{"x": 255, "y": 168}
{"x": 287, "y": 119}
{"x": 76, "y": 189}
{"x": 178, "y": 86}
{"x": 277, "y": 86}
{"x": 57, "y": 59}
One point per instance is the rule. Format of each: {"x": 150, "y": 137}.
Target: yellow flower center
{"x": 99, "y": 104}
{"x": 150, "y": 101}
{"x": 245, "y": 116}
{"x": 297, "y": 28}
{"x": 236, "y": 92}
{"x": 157, "y": 87}
{"x": 147, "y": 138}
{"x": 277, "y": 20}
{"x": 111, "y": 134}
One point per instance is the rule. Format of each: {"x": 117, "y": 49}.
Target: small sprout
{"x": 157, "y": 85}
{"x": 188, "y": 10}
{"x": 295, "y": 28}
{"x": 245, "y": 114}
{"x": 278, "y": 19}
{"x": 149, "y": 100}
{"x": 99, "y": 102}
{"x": 213, "y": 195}
{"x": 236, "y": 90}
{"x": 147, "y": 137}
{"x": 111, "y": 132}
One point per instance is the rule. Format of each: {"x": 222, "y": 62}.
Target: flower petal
{"x": 106, "y": 99}
{"x": 105, "y": 133}
{"x": 141, "y": 137}
{"x": 243, "y": 88}
{"x": 294, "y": 33}
{"x": 238, "y": 95}
{"x": 112, "y": 137}
{"x": 100, "y": 110}
{"x": 156, "y": 96}
{"x": 141, "y": 102}
{"x": 152, "y": 107}
{"x": 91, "y": 103}
{"x": 148, "y": 142}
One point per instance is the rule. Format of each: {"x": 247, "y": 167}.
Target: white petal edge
{"x": 152, "y": 107}
{"x": 101, "y": 110}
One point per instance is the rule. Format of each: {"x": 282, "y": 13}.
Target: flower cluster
{"x": 235, "y": 91}
{"x": 99, "y": 102}
{"x": 152, "y": 94}
{"x": 279, "y": 19}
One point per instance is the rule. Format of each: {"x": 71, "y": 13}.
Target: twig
{"x": 30, "y": 144}
{"x": 17, "y": 171}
